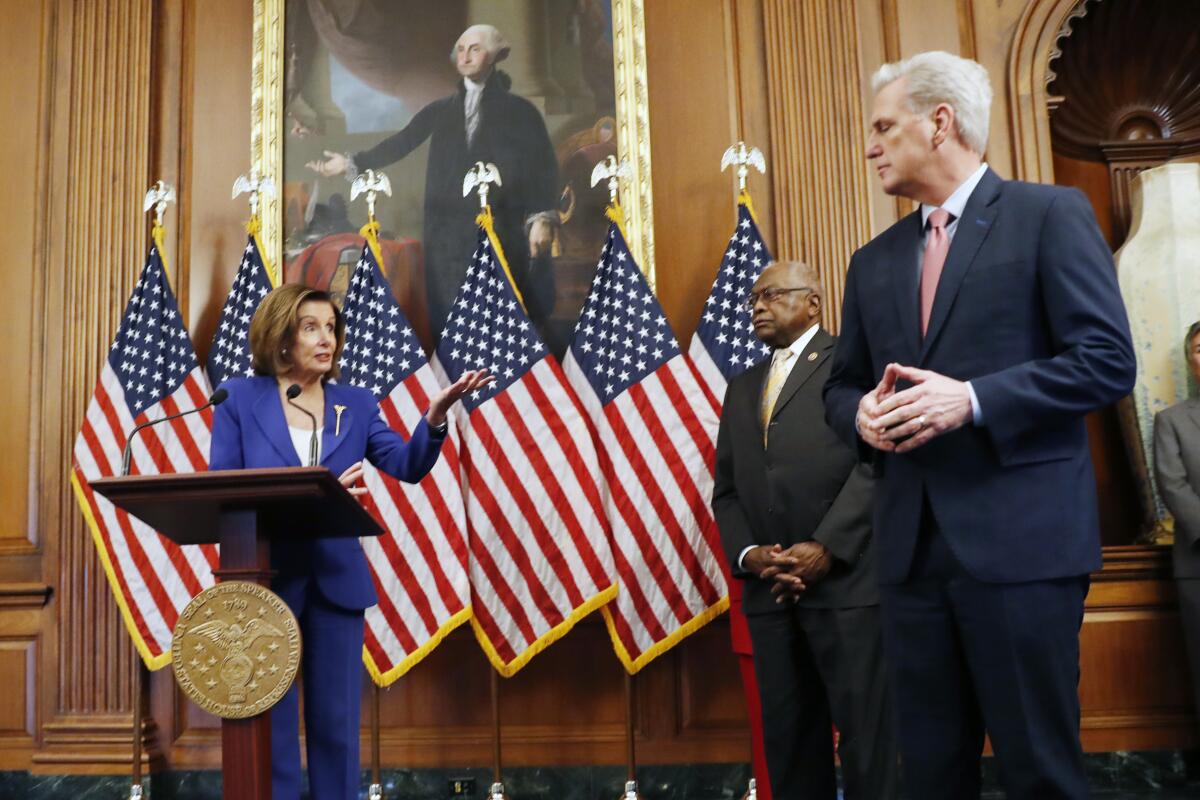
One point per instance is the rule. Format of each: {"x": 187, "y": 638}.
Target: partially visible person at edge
{"x": 977, "y": 332}
{"x": 1177, "y": 467}
{"x": 296, "y": 338}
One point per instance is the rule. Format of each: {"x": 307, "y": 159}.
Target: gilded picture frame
{"x": 269, "y": 129}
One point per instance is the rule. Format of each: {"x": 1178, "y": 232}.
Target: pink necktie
{"x": 937, "y": 245}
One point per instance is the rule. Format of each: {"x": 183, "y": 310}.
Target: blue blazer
{"x": 250, "y": 432}
{"x": 1028, "y": 310}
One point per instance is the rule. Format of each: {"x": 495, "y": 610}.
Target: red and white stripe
{"x": 710, "y": 377}
{"x": 420, "y": 563}
{"x": 540, "y": 558}
{"x": 656, "y": 443}
{"x": 153, "y": 578}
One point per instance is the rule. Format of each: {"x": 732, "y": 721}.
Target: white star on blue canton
{"x": 365, "y": 356}
{"x": 622, "y": 312}
{"x": 725, "y": 328}
{"x": 230, "y": 352}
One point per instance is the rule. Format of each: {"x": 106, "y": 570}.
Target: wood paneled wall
{"x": 818, "y": 130}
{"x": 102, "y": 96}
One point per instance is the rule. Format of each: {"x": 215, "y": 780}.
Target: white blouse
{"x": 301, "y": 437}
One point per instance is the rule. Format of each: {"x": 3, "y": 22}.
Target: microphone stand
{"x": 216, "y": 399}
{"x": 293, "y": 392}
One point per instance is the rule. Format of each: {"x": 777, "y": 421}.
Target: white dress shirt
{"x": 471, "y": 106}
{"x": 955, "y": 204}
{"x": 797, "y": 349}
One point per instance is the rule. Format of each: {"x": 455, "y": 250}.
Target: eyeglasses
{"x": 771, "y": 295}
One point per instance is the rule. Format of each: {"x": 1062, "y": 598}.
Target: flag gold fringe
{"x": 254, "y": 228}
{"x": 159, "y": 234}
{"x": 385, "y": 679}
{"x": 370, "y": 232}
{"x": 744, "y": 200}
{"x": 616, "y": 215}
{"x": 545, "y": 640}
{"x": 634, "y": 665}
{"x": 486, "y": 221}
{"x": 151, "y": 661}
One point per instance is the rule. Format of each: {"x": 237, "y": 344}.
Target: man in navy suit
{"x": 976, "y": 334}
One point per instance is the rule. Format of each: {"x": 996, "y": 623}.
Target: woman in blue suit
{"x": 296, "y": 339}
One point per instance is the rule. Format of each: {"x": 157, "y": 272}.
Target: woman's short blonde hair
{"x": 275, "y": 324}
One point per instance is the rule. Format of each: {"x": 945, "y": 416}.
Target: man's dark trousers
{"x": 817, "y": 659}
{"x": 953, "y": 647}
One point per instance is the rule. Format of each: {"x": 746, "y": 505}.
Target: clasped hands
{"x": 901, "y": 421}
{"x": 789, "y": 570}
{"x": 468, "y": 382}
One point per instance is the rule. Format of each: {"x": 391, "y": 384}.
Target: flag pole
{"x": 743, "y": 157}
{"x": 613, "y": 171}
{"x": 372, "y": 183}
{"x": 258, "y": 187}
{"x": 631, "y": 788}
{"x": 479, "y": 179}
{"x": 376, "y": 790}
{"x": 157, "y": 198}
{"x": 139, "y": 688}
{"x": 497, "y": 790}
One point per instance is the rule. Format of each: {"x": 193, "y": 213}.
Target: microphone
{"x": 293, "y": 392}
{"x": 215, "y": 399}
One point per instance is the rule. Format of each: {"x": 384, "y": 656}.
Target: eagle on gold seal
{"x": 236, "y": 649}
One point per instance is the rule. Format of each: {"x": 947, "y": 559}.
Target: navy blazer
{"x": 250, "y": 432}
{"x": 1028, "y": 310}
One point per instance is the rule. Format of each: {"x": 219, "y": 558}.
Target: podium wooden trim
{"x": 242, "y": 511}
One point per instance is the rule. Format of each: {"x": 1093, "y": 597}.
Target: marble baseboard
{"x": 1162, "y": 775}
{"x": 664, "y": 782}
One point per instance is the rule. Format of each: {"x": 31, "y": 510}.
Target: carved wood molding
{"x": 266, "y": 120}
{"x": 97, "y": 63}
{"x": 1035, "y": 42}
{"x": 23, "y": 595}
{"x": 1124, "y": 79}
{"x": 821, "y": 196}
{"x": 1127, "y": 74}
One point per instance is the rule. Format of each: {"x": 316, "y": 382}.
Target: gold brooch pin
{"x": 337, "y": 425}
{"x": 812, "y": 356}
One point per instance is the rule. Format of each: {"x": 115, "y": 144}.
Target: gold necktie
{"x": 775, "y": 380}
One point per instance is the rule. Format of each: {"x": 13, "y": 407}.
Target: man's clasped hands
{"x": 890, "y": 421}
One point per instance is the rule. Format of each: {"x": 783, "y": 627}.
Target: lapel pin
{"x": 337, "y": 425}
{"x": 812, "y": 356}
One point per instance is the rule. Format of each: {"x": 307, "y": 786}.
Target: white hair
{"x": 493, "y": 42}
{"x": 938, "y": 77}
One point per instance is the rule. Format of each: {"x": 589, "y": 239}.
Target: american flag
{"x": 724, "y": 343}
{"x": 540, "y": 557}
{"x": 151, "y": 372}
{"x": 229, "y": 355}
{"x": 655, "y": 435}
{"x": 420, "y": 562}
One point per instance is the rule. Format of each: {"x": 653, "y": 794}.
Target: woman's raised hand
{"x": 468, "y": 382}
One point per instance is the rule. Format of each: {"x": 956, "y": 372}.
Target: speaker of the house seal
{"x": 236, "y": 649}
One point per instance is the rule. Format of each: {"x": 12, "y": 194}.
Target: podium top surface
{"x": 287, "y": 502}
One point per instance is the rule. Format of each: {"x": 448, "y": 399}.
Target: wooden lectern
{"x": 242, "y": 511}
